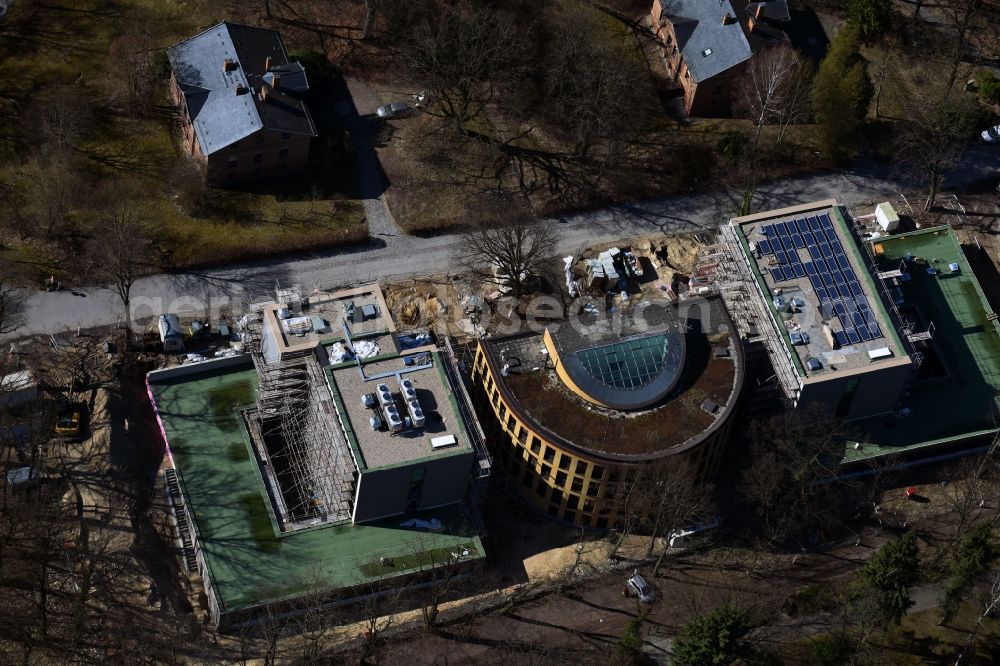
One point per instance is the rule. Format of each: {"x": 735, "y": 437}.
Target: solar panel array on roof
{"x": 830, "y": 273}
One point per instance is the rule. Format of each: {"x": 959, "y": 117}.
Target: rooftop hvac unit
{"x": 416, "y": 414}
{"x": 392, "y": 419}
{"x": 368, "y": 400}
{"x": 384, "y": 396}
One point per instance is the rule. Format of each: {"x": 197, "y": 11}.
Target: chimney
{"x": 275, "y": 80}
{"x": 267, "y": 63}
{"x": 228, "y": 64}
{"x": 760, "y": 10}
{"x": 728, "y": 19}
{"x": 263, "y": 93}
{"x": 751, "y": 22}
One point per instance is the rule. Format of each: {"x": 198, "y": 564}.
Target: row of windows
{"x": 259, "y": 139}
{"x": 258, "y": 158}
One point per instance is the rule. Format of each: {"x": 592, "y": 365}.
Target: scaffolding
{"x": 748, "y": 309}
{"x": 303, "y": 453}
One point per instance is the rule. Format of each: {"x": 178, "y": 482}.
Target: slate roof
{"x": 220, "y": 114}
{"x": 709, "y": 47}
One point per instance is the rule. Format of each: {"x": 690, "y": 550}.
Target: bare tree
{"x": 464, "y": 59}
{"x": 12, "y": 302}
{"x": 508, "y": 251}
{"x": 775, "y": 89}
{"x": 792, "y": 483}
{"x": 991, "y": 603}
{"x": 61, "y": 117}
{"x": 933, "y": 138}
{"x": 675, "y": 499}
{"x": 592, "y": 88}
{"x": 132, "y": 77}
{"x": 123, "y": 249}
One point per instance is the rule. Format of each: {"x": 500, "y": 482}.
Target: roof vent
{"x": 229, "y": 64}
{"x": 728, "y": 19}
{"x": 707, "y": 52}
{"x": 241, "y": 89}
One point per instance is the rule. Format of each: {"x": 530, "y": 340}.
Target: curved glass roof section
{"x": 628, "y": 374}
{"x": 626, "y": 365}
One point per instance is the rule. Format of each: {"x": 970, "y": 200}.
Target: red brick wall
{"x": 710, "y": 98}
{"x": 259, "y": 157}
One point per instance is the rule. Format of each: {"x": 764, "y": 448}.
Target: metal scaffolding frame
{"x": 301, "y": 444}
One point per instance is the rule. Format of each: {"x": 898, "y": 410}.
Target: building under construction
{"x": 880, "y": 325}
{"x": 330, "y": 457}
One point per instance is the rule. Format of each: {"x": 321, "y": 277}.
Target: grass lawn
{"x": 66, "y": 43}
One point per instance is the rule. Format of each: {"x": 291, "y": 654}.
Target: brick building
{"x": 708, "y": 44}
{"x": 240, "y": 101}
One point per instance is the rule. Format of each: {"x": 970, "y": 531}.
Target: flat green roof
{"x": 963, "y": 400}
{"x": 249, "y": 561}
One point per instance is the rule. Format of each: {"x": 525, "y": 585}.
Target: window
{"x": 588, "y": 505}
{"x": 561, "y": 479}
{"x": 231, "y": 162}
{"x": 564, "y": 461}
{"x": 283, "y": 153}
{"x": 546, "y": 470}
{"x": 592, "y": 489}
{"x": 285, "y": 136}
{"x": 550, "y": 454}
{"x": 598, "y": 472}
{"x": 416, "y": 488}
{"x": 556, "y": 496}
{"x": 569, "y": 516}
{"x": 581, "y": 467}
{"x": 510, "y": 423}
{"x": 572, "y": 502}
{"x": 540, "y": 488}
{"x": 527, "y": 478}
{"x": 522, "y": 435}
{"x": 577, "y": 484}
{"x": 258, "y": 158}
{"x": 847, "y": 397}
{"x": 706, "y": 53}
{"x": 553, "y": 510}
{"x": 536, "y": 446}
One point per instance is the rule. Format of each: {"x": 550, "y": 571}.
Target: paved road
{"x": 203, "y": 293}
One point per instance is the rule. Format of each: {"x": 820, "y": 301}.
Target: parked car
{"x": 70, "y": 421}
{"x": 394, "y": 110}
{"x": 991, "y": 135}
{"x": 638, "y": 586}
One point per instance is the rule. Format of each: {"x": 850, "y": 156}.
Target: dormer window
{"x": 706, "y": 52}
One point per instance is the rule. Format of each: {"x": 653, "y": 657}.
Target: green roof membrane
{"x": 248, "y": 562}
{"x": 958, "y": 392}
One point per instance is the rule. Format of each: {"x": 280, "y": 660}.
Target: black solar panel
{"x": 830, "y": 273}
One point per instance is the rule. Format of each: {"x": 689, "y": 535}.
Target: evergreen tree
{"x": 890, "y": 573}
{"x": 717, "y": 638}
{"x": 975, "y": 555}
{"x": 871, "y": 17}
{"x": 840, "y": 94}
